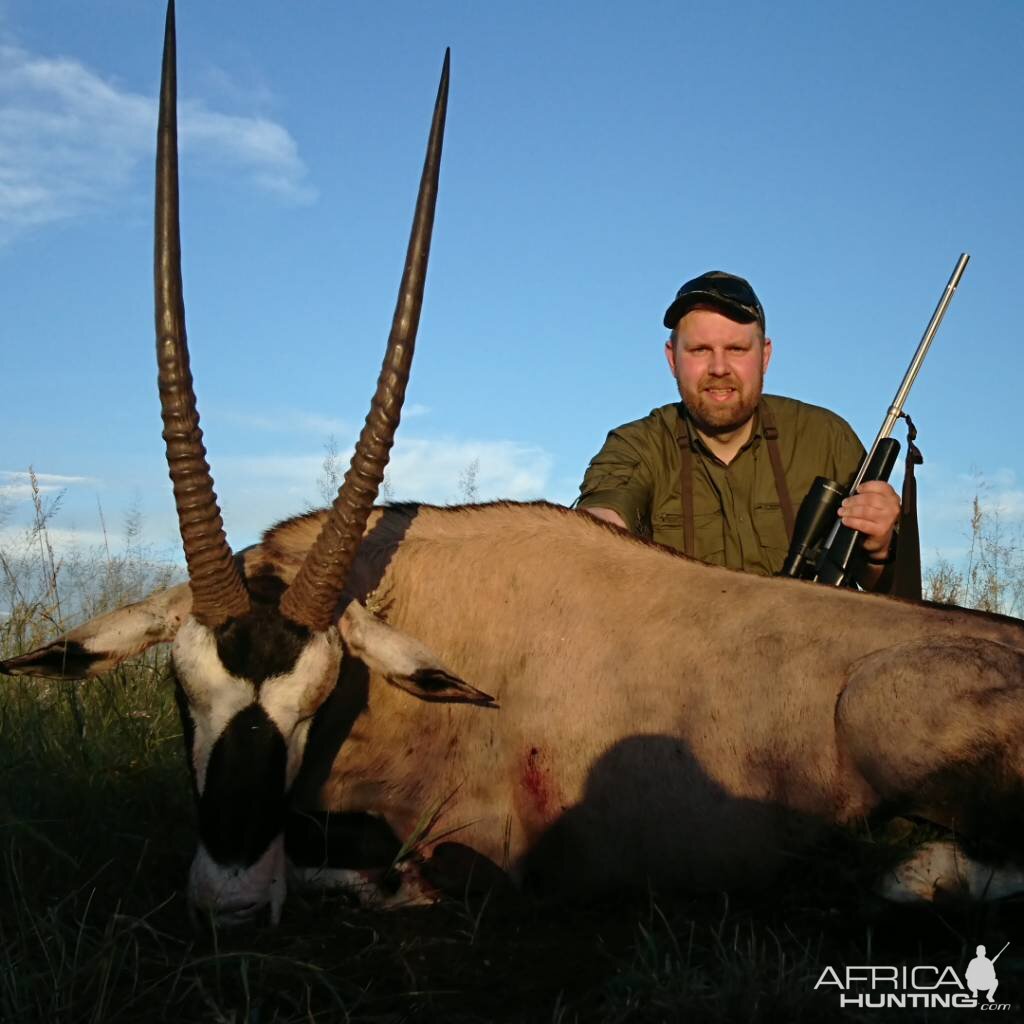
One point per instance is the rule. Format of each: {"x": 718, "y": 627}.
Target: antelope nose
{"x": 230, "y": 915}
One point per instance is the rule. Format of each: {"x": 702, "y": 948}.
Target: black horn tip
{"x": 441, "y": 104}
{"x": 442, "y": 88}
{"x": 168, "y": 82}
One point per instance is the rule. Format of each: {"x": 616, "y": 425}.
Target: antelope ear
{"x": 98, "y": 645}
{"x": 402, "y": 660}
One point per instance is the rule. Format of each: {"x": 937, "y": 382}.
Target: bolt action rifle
{"x": 822, "y": 548}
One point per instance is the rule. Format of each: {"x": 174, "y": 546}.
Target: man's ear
{"x": 766, "y": 354}
{"x": 101, "y": 643}
{"x": 402, "y": 660}
{"x": 670, "y": 354}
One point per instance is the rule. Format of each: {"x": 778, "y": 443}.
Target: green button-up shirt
{"x": 736, "y": 512}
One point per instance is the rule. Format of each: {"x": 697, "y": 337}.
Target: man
{"x": 720, "y": 474}
{"x": 981, "y": 974}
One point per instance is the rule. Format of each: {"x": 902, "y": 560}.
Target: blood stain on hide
{"x": 536, "y": 783}
{"x": 537, "y": 795}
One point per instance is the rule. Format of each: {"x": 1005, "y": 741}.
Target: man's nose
{"x": 719, "y": 364}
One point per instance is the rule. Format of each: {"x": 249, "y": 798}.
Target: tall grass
{"x": 44, "y": 591}
{"x": 97, "y": 831}
{"x": 991, "y": 574}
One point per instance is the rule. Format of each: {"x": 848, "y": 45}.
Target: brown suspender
{"x": 686, "y": 486}
{"x": 771, "y": 435}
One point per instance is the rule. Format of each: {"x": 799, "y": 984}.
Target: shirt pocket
{"x": 708, "y": 527}
{"x": 770, "y": 528}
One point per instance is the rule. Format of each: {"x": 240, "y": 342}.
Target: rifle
{"x": 830, "y": 560}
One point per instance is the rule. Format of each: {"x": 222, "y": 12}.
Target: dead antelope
{"x": 646, "y": 717}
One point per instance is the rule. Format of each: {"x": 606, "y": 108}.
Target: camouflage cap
{"x": 732, "y": 294}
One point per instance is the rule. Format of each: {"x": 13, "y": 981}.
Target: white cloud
{"x": 433, "y": 470}
{"x": 289, "y": 421}
{"x": 48, "y": 478}
{"x": 946, "y": 498}
{"x": 20, "y": 540}
{"x": 262, "y": 148}
{"x": 255, "y": 491}
{"x": 15, "y": 485}
{"x": 297, "y": 421}
{"x": 71, "y": 141}
{"x": 419, "y": 470}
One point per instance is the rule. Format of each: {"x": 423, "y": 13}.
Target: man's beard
{"x": 713, "y": 417}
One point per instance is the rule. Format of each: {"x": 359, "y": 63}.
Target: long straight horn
{"x": 312, "y": 596}
{"x": 218, "y": 593}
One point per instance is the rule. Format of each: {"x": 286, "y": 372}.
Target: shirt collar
{"x": 697, "y": 442}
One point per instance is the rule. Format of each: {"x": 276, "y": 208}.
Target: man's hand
{"x": 607, "y": 515}
{"x": 872, "y": 511}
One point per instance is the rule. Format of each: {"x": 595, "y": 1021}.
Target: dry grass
{"x": 991, "y": 575}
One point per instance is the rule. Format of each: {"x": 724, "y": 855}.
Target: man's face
{"x": 719, "y": 366}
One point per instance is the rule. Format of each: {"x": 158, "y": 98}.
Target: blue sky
{"x": 840, "y": 156}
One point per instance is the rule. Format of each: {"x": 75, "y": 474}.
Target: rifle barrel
{"x": 910, "y": 376}
{"x": 896, "y": 408}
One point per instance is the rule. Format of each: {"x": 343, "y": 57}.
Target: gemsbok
{"x": 524, "y": 687}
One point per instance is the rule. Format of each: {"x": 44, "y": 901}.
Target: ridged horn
{"x": 218, "y": 593}
{"x": 313, "y": 594}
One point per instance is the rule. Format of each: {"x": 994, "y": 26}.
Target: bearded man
{"x": 720, "y": 474}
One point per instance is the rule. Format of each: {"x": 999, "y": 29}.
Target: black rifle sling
{"x": 771, "y": 435}
{"x": 907, "y": 570}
